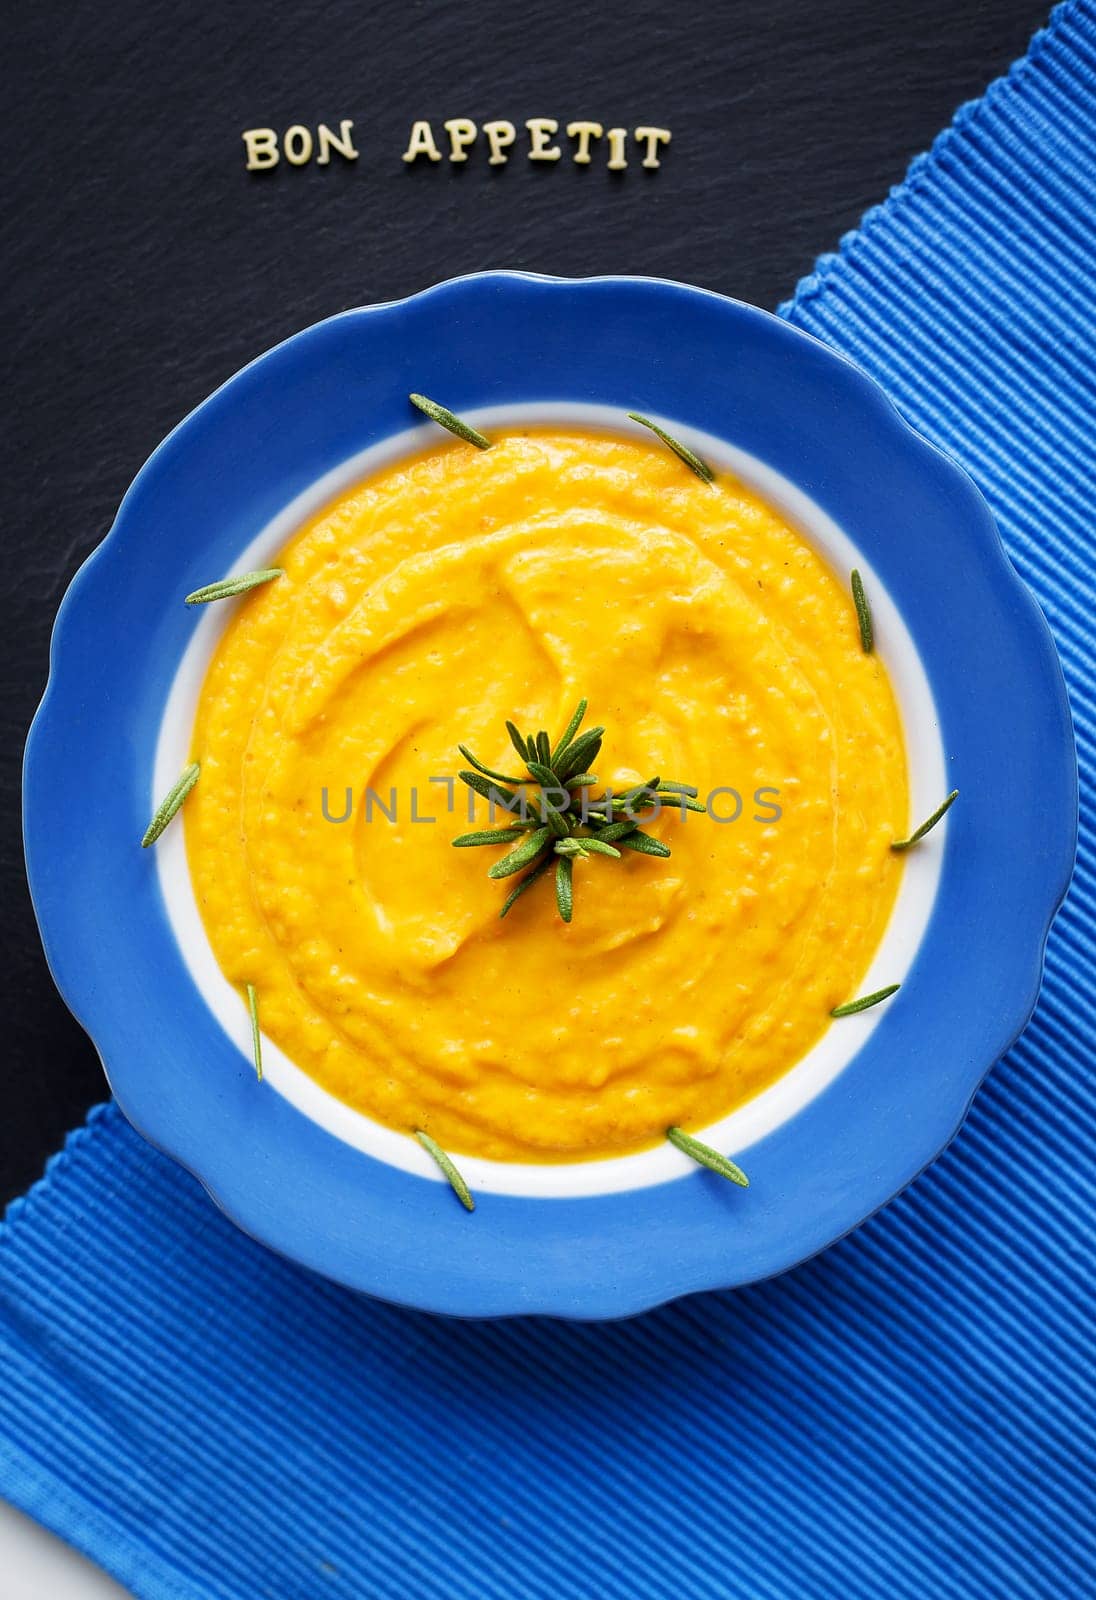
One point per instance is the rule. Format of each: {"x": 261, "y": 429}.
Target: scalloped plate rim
{"x": 616, "y": 1302}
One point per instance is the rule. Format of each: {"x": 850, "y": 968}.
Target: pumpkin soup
{"x": 468, "y": 587}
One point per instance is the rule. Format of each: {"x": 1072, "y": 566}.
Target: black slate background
{"x": 143, "y": 264}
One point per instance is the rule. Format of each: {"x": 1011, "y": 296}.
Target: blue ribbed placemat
{"x": 910, "y": 1414}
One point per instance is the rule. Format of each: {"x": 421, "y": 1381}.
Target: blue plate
{"x": 707, "y": 364}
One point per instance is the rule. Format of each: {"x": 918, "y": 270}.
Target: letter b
{"x": 262, "y": 148}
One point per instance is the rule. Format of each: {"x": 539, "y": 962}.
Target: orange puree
{"x": 423, "y": 608}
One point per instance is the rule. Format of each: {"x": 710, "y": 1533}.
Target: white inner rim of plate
{"x": 750, "y": 1122}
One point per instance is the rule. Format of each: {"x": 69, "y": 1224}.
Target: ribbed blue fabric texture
{"x": 910, "y": 1414}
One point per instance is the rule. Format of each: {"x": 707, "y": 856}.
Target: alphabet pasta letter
{"x": 421, "y": 143}
{"x": 262, "y": 148}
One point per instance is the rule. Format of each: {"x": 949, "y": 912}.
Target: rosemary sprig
{"x": 256, "y": 1037}
{"x": 682, "y": 451}
{"x": 863, "y": 612}
{"x": 866, "y": 1001}
{"x": 558, "y": 824}
{"x": 230, "y": 586}
{"x": 456, "y": 1182}
{"x": 170, "y": 804}
{"x": 448, "y": 419}
{"x": 707, "y": 1157}
{"x": 928, "y": 824}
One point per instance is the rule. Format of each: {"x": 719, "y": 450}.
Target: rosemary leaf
{"x": 487, "y": 790}
{"x": 545, "y": 776}
{"x": 576, "y": 762}
{"x": 569, "y": 732}
{"x": 526, "y": 883}
{"x": 643, "y": 844}
{"x": 585, "y": 780}
{"x": 600, "y": 848}
{"x": 863, "y": 612}
{"x": 522, "y": 855}
{"x": 565, "y": 896}
{"x": 598, "y": 806}
{"x": 456, "y": 1182}
{"x": 517, "y": 741}
{"x": 678, "y": 802}
{"x": 170, "y": 804}
{"x": 488, "y": 772}
{"x": 641, "y": 799}
{"x": 230, "y": 586}
{"x": 682, "y": 451}
{"x": 573, "y": 847}
{"x": 851, "y": 1007}
{"x": 488, "y": 836}
{"x": 557, "y": 821}
{"x": 644, "y": 804}
{"x": 666, "y": 787}
{"x": 642, "y": 791}
{"x": 580, "y": 755}
{"x": 448, "y": 419}
{"x": 256, "y": 1037}
{"x": 616, "y": 830}
{"x": 928, "y": 824}
{"x": 544, "y": 749}
{"x": 707, "y": 1157}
